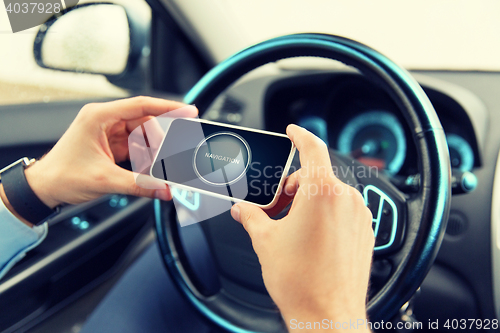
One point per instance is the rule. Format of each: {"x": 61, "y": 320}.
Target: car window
{"x": 23, "y": 81}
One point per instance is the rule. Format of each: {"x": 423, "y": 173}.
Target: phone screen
{"x": 228, "y": 161}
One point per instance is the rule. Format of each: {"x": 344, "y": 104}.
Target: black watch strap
{"x": 22, "y": 198}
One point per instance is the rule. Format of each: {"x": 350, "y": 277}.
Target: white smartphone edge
{"x": 220, "y": 196}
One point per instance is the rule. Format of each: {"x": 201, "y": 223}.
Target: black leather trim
{"x": 22, "y": 198}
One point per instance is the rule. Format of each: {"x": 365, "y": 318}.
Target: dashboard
{"x": 358, "y": 119}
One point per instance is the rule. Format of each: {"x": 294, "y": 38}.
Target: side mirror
{"x": 97, "y": 38}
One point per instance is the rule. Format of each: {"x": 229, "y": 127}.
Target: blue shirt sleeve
{"x": 16, "y": 238}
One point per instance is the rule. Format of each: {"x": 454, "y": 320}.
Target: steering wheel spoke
{"x": 388, "y": 207}
{"x": 386, "y": 202}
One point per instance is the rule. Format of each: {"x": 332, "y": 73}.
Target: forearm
{"x": 16, "y": 238}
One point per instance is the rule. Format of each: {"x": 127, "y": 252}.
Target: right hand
{"x": 316, "y": 260}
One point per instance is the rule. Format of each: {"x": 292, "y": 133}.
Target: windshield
{"x": 426, "y": 34}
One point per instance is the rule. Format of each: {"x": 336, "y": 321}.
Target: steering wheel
{"x": 409, "y": 228}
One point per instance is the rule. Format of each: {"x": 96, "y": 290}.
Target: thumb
{"x": 125, "y": 182}
{"x": 250, "y": 216}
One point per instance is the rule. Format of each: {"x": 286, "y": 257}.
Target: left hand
{"x": 82, "y": 165}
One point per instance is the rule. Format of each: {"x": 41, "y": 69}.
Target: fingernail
{"x": 235, "y": 212}
{"x": 149, "y": 182}
{"x": 163, "y": 195}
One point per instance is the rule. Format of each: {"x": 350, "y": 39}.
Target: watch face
{"x": 228, "y": 161}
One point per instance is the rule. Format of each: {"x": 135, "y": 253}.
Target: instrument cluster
{"x": 358, "y": 119}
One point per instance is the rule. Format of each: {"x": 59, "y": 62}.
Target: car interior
{"x": 438, "y": 259}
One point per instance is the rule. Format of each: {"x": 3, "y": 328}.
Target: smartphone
{"x": 225, "y": 161}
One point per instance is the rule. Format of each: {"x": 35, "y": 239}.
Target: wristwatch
{"x": 20, "y": 195}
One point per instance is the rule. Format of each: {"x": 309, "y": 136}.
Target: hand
{"x": 316, "y": 260}
{"x": 82, "y": 165}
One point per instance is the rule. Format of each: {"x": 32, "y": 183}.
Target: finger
{"x": 148, "y": 137}
{"x": 291, "y": 184}
{"x": 154, "y": 133}
{"x": 250, "y": 216}
{"x": 140, "y": 152}
{"x": 134, "y": 123}
{"x": 142, "y": 106}
{"x": 125, "y": 182}
{"x": 186, "y": 111}
{"x": 153, "y": 129}
{"x": 286, "y": 195}
{"x": 312, "y": 150}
